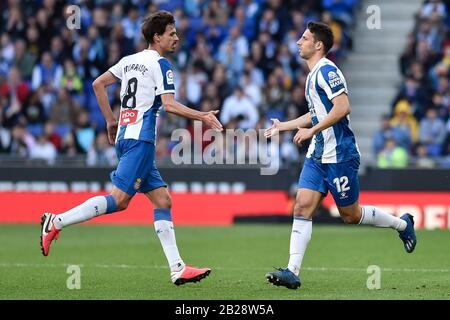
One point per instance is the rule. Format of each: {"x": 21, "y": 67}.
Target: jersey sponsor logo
{"x": 128, "y": 117}
{"x": 169, "y": 77}
{"x": 334, "y": 79}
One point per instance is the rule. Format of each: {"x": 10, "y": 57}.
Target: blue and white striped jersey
{"x": 337, "y": 143}
{"x": 145, "y": 76}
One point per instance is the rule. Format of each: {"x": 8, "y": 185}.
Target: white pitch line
{"x": 127, "y": 266}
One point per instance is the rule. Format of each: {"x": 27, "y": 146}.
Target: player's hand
{"x": 209, "y": 118}
{"x": 302, "y": 135}
{"x": 274, "y": 129}
{"x": 112, "y": 131}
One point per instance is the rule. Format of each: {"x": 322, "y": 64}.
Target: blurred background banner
{"x": 239, "y": 57}
{"x": 221, "y": 195}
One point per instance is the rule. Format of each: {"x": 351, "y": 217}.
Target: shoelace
{"x": 279, "y": 269}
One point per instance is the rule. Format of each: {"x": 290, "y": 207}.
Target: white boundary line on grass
{"x": 128, "y": 266}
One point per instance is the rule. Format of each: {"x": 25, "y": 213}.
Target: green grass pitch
{"x": 127, "y": 262}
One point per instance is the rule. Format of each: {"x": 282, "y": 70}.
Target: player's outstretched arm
{"x": 303, "y": 122}
{"x": 341, "y": 108}
{"x": 99, "y": 85}
{"x": 173, "y": 106}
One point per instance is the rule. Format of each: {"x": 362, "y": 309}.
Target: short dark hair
{"x": 322, "y": 32}
{"x": 156, "y": 23}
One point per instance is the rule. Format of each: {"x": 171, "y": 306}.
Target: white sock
{"x": 300, "y": 236}
{"x": 166, "y": 234}
{"x": 93, "y": 207}
{"x": 375, "y": 217}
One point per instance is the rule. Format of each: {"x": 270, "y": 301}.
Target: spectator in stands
{"x": 414, "y": 94}
{"x": 392, "y": 156}
{"x": 432, "y": 132}
{"x": 57, "y": 49}
{"x": 23, "y": 60}
{"x": 240, "y": 20}
{"x": 163, "y": 151}
{"x": 251, "y": 89}
{"x": 241, "y": 108}
{"x": 219, "y": 78}
{"x": 101, "y": 152}
{"x": 231, "y": 59}
{"x": 32, "y": 40}
{"x": 43, "y": 149}
{"x": 71, "y": 81}
{"x": 256, "y": 75}
{"x": 21, "y": 141}
{"x": 6, "y": 48}
{"x": 429, "y": 32}
{"x": 132, "y": 24}
{"x": 86, "y": 59}
{"x": 269, "y": 23}
{"x": 398, "y": 134}
{"x": 211, "y": 94}
{"x": 274, "y": 96}
{"x": 403, "y": 119}
{"x": 84, "y": 133}
{"x": 214, "y": 32}
{"x": 14, "y": 88}
{"x": 52, "y": 135}
{"x": 34, "y": 110}
{"x": 217, "y": 10}
{"x": 5, "y": 136}
{"x": 422, "y": 159}
{"x": 434, "y": 9}
{"x": 15, "y": 24}
{"x": 48, "y": 75}
{"x": 64, "y": 110}
{"x": 202, "y": 53}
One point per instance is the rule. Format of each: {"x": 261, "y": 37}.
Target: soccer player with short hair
{"x": 333, "y": 158}
{"x": 147, "y": 84}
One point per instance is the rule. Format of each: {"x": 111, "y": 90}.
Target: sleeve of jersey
{"x": 116, "y": 70}
{"x": 164, "y": 78}
{"x": 332, "y": 81}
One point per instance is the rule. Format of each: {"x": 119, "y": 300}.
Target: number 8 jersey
{"x": 144, "y": 76}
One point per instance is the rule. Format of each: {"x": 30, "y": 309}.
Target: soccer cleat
{"x": 48, "y": 232}
{"x": 189, "y": 274}
{"x": 408, "y": 235}
{"x": 284, "y": 277}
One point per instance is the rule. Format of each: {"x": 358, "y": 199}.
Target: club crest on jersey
{"x": 169, "y": 76}
{"x": 137, "y": 184}
{"x": 334, "y": 79}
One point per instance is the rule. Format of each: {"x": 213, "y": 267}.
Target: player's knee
{"x": 303, "y": 209}
{"x": 350, "y": 218}
{"x": 164, "y": 202}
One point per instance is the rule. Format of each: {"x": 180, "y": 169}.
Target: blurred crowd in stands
{"x": 417, "y": 132}
{"x": 238, "y": 56}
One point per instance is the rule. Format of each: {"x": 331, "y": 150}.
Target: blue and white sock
{"x": 166, "y": 234}
{"x": 373, "y": 216}
{"x": 91, "y": 208}
{"x": 300, "y": 236}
